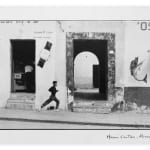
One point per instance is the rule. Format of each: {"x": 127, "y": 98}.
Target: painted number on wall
{"x": 144, "y": 25}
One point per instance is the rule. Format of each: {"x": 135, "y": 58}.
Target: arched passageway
{"x": 84, "y": 65}
{"x": 90, "y": 69}
{"x": 86, "y": 76}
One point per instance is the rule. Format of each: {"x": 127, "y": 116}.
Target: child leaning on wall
{"x": 70, "y": 100}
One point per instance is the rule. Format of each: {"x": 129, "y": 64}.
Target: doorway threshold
{"x": 91, "y": 106}
{"x": 25, "y": 101}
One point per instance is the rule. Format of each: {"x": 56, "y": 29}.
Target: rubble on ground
{"x": 132, "y": 106}
{"x": 128, "y": 106}
{"x": 143, "y": 109}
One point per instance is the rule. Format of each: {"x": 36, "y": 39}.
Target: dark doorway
{"x": 23, "y": 66}
{"x": 96, "y": 76}
{"x": 100, "y": 71}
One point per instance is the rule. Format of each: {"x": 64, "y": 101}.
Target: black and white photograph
{"x": 76, "y": 75}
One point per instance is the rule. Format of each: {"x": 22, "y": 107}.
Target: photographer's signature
{"x": 127, "y": 136}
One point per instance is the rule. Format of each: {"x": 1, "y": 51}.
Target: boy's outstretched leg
{"x": 46, "y": 103}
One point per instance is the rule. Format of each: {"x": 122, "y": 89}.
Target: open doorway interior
{"x": 86, "y": 76}
{"x": 90, "y": 70}
{"x": 23, "y": 66}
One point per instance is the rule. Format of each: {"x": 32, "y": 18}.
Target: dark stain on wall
{"x": 139, "y": 95}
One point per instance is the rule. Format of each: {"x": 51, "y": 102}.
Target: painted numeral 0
{"x": 144, "y": 26}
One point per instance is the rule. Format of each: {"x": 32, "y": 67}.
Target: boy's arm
{"x": 50, "y": 89}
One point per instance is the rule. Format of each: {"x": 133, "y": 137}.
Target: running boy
{"x": 52, "y": 97}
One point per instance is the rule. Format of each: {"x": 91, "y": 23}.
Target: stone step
{"x": 20, "y": 101}
{"x": 91, "y": 110}
{"x": 92, "y": 107}
{"x": 23, "y": 101}
{"x": 88, "y": 104}
{"x": 22, "y": 98}
{"x": 23, "y": 106}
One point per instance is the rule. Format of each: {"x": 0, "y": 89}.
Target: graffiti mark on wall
{"x": 135, "y": 69}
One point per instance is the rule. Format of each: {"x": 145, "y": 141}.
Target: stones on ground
{"x": 131, "y": 106}
{"x": 147, "y": 111}
{"x": 109, "y": 105}
{"x": 144, "y": 109}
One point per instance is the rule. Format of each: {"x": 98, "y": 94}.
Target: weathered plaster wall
{"x": 45, "y": 75}
{"x": 136, "y": 45}
{"x": 60, "y": 64}
{"x": 116, "y": 27}
{"x": 41, "y": 32}
{"x": 102, "y": 28}
{"x": 55, "y": 68}
{"x": 5, "y": 78}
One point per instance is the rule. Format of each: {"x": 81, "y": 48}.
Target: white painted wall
{"x": 41, "y": 32}
{"x": 60, "y": 65}
{"x": 62, "y": 27}
{"x": 5, "y": 78}
{"x": 136, "y": 45}
{"x": 117, "y": 27}
{"x": 55, "y": 68}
